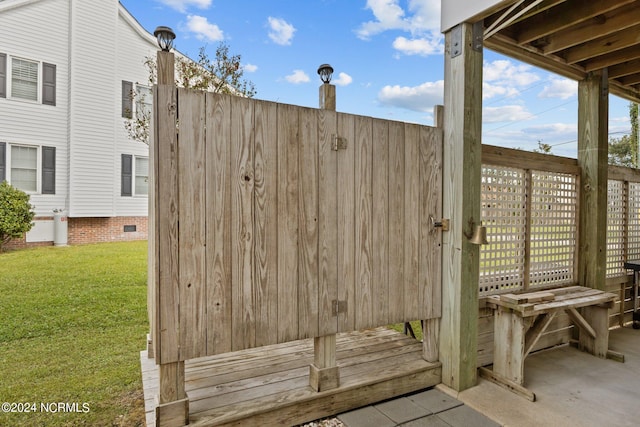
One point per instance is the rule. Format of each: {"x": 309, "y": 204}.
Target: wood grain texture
{"x": 380, "y": 219}
{"x": 242, "y": 213}
{"x": 288, "y": 189}
{"x": 412, "y": 300}
{"x": 327, "y": 223}
{"x": 396, "y": 222}
{"x": 363, "y": 226}
{"x": 346, "y": 224}
{"x": 218, "y": 194}
{"x": 308, "y": 225}
{"x": 166, "y": 215}
{"x": 266, "y": 222}
{"x": 191, "y": 188}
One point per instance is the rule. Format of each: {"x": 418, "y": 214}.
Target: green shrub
{"x": 16, "y": 213}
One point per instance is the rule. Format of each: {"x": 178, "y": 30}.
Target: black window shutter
{"x": 48, "y": 170}
{"x": 126, "y": 174}
{"x": 3, "y": 75}
{"x": 48, "y": 84}
{"x": 3, "y": 161}
{"x": 127, "y": 99}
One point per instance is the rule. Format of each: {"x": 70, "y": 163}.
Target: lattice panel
{"x": 616, "y": 219}
{"x": 554, "y": 200}
{"x": 633, "y": 231}
{"x": 504, "y": 214}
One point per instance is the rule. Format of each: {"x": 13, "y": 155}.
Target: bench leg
{"x": 508, "y": 346}
{"x": 598, "y": 318}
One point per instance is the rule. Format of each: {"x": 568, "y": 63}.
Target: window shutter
{"x": 48, "y": 84}
{"x": 48, "y": 170}
{"x": 126, "y": 175}
{"x": 3, "y": 161}
{"x": 127, "y": 99}
{"x": 3, "y": 75}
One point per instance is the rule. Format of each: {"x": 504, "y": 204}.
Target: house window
{"x": 134, "y": 176}
{"x": 27, "y": 79}
{"x": 142, "y": 176}
{"x": 29, "y": 168}
{"x": 24, "y": 79}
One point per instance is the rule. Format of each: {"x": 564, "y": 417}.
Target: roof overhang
{"x": 569, "y": 37}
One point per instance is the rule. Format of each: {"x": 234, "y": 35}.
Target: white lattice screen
{"x": 531, "y": 220}
{"x": 616, "y": 222}
{"x": 633, "y": 230}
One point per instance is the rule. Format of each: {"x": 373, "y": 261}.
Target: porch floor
{"x": 572, "y": 388}
{"x": 270, "y": 385}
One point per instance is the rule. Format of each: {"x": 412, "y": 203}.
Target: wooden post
{"x": 173, "y": 404}
{"x": 323, "y": 372}
{"x": 593, "y": 112}
{"x": 461, "y": 204}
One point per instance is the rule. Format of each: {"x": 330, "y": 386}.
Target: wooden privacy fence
{"x": 273, "y": 223}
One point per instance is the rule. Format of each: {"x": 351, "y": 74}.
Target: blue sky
{"x": 388, "y": 62}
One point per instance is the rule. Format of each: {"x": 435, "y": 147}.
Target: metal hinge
{"x": 338, "y": 307}
{"x": 338, "y": 142}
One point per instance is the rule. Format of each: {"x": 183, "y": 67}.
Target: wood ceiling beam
{"x": 603, "y": 46}
{"x": 615, "y": 58}
{"x": 630, "y": 80}
{"x": 563, "y": 16}
{"x": 624, "y": 69}
{"x": 598, "y": 26}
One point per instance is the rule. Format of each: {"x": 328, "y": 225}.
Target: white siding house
{"x": 65, "y": 80}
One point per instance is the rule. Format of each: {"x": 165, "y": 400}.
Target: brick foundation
{"x": 93, "y": 230}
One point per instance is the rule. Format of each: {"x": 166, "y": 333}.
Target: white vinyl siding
{"x": 24, "y": 79}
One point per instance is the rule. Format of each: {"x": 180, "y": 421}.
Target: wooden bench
{"x": 521, "y": 319}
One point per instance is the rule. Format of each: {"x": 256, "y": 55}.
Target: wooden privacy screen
{"x": 264, "y": 234}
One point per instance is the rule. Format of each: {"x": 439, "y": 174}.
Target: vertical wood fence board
{"x": 430, "y": 205}
{"x": 242, "y": 152}
{"x": 364, "y": 226}
{"x": 167, "y": 297}
{"x": 346, "y": 223}
{"x": 308, "y": 225}
{"x": 265, "y": 225}
{"x": 380, "y": 211}
{"x": 287, "y": 223}
{"x": 396, "y": 221}
{"x": 191, "y": 188}
{"x": 327, "y": 222}
{"x": 218, "y": 195}
{"x": 411, "y": 223}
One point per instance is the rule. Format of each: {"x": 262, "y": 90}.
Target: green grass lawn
{"x": 72, "y": 323}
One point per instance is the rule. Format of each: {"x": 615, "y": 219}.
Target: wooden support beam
{"x": 593, "y": 109}
{"x": 173, "y": 404}
{"x": 535, "y": 332}
{"x": 430, "y": 339}
{"x": 323, "y": 373}
{"x": 509, "y": 385}
{"x": 461, "y": 204}
{"x": 577, "y": 318}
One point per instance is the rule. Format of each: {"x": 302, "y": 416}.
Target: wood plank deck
{"x": 270, "y": 385}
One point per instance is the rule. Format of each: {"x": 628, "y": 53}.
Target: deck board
{"x": 270, "y": 385}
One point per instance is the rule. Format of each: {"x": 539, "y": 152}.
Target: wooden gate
{"x": 273, "y": 223}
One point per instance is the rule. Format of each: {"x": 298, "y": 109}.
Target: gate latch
{"x": 338, "y": 142}
{"x": 443, "y": 223}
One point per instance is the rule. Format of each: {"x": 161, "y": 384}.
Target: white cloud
{"x": 203, "y": 29}
{"x": 250, "y": 68}
{"x": 344, "y": 79}
{"x": 420, "y": 98}
{"x": 507, "y": 113}
{"x": 182, "y": 5}
{"x": 281, "y": 31}
{"x": 559, "y": 88}
{"x": 297, "y": 77}
{"x": 420, "y": 46}
{"x": 422, "y": 21}
{"x": 506, "y": 78}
